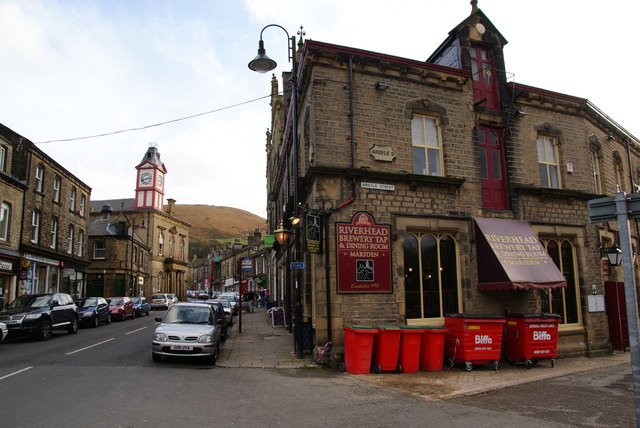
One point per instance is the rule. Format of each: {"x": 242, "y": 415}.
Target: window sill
{"x": 548, "y": 192}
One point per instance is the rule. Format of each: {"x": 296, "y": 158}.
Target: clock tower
{"x": 150, "y": 180}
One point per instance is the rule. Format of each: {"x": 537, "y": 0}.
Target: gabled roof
{"x": 477, "y": 16}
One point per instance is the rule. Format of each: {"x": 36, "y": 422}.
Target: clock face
{"x": 145, "y": 178}
{"x": 159, "y": 180}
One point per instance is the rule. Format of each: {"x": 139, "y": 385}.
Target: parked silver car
{"x": 160, "y": 301}
{"x": 3, "y": 331}
{"x": 188, "y": 329}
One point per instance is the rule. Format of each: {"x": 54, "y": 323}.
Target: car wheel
{"x": 96, "y": 322}
{"x": 73, "y": 328}
{"x": 44, "y": 332}
{"x": 213, "y": 358}
{"x": 147, "y": 313}
{"x": 133, "y": 315}
{"x": 108, "y": 319}
{"x": 156, "y": 357}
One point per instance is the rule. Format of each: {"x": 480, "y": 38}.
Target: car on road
{"x": 140, "y": 306}
{"x": 121, "y": 308}
{"x": 93, "y": 310}
{"x": 221, "y": 314}
{"x": 160, "y": 301}
{"x": 188, "y": 329}
{"x": 4, "y": 331}
{"x": 228, "y": 311}
{"x": 232, "y": 299}
{"x": 39, "y": 314}
{"x": 173, "y": 297}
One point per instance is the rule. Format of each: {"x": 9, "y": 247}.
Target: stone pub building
{"x": 441, "y": 186}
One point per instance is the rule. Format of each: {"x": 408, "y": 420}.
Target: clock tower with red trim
{"x": 150, "y": 180}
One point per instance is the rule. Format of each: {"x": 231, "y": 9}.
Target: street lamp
{"x": 282, "y": 234}
{"x": 261, "y": 64}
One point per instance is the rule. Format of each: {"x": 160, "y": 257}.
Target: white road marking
{"x": 91, "y": 346}
{"x": 15, "y": 373}
{"x": 134, "y": 331}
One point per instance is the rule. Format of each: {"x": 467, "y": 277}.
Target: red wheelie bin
{"x": 532, "y": 337}
{"x": 473, "y": 339}
{"x": 358, "y": 344}
{"x": 410, "y": 349}
{"x": 386, "y": 348}
{"x": 432, "y": 348}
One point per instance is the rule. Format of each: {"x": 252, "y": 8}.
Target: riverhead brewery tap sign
{"x": 364, "y": 255}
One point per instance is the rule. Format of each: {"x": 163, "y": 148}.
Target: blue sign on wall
{"x": 296, "y": 265}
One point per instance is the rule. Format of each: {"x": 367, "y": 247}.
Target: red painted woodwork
{"x": 492, "y": 170}
{"x": 484, "y": 78}
{"x": 615, "y": 304}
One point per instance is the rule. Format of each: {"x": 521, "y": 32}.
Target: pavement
{"x": 260, "y": 345}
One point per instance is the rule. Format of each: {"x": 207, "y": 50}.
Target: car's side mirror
{"x": 159, "y": 319}
{"x": 55, "y": 303}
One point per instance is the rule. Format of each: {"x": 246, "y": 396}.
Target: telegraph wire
{"x": 140, "y": 128}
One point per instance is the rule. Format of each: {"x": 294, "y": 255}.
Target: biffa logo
{"x": 541, "y": 335}
{"x": 482, "y": 339}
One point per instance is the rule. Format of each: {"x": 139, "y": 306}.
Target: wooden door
{"x": 615, "y": 304}
{"x": 492, "y": 169}
{"x": 484, "y": 78}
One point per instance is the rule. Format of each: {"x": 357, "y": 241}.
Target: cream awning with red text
{"x": 510, "y": 257}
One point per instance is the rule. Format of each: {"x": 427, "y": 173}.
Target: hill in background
{"x": 213, "y": 225}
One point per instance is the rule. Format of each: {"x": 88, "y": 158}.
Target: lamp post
{"x": 261, "y": 64}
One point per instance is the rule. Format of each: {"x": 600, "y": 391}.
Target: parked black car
{"x": 140, "y": 306}
{"x": 39, "y": 314}
{"x": 93, "y": 310}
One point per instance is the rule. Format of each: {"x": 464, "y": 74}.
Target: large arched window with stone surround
{"x": 563, "y": 301}
{"x": 432, "y": 283}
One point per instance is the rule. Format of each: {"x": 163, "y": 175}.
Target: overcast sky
{"x": 77, "y": 68}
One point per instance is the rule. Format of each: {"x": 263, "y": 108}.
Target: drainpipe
{"x": 352, "y": 127}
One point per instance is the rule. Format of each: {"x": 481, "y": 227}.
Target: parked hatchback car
{"x": 173, "y": 297}
{"x": 121, "y": 308}
{"x": 40, "y": 314}
{"x": 188, "y": 329}
{"x": 93, "y": 311}
{"x": 160, "y": 301}
{"x": 140, "y": 306}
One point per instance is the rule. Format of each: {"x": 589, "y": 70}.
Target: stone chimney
{"x": 170, "y": 205}
{"x": 106, "y": 211}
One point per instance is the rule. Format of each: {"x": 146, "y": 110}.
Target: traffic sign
{"x": 296, "y": 265}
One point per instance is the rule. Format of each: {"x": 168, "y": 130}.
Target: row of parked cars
{"x": 38, "y": 315}
{"x": 194, "y": 328}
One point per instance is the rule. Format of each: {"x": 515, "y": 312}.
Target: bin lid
{"x": 476, "y": 316}
{"x": 411, "y": 327}
{"x": 386, "y": 327}
{"x": 538, "y": 315}
{"x": 359, "y": 327}
{"x": 436, "y": 328}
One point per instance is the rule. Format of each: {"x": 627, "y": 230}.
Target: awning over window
{"x": 510, "y": 257}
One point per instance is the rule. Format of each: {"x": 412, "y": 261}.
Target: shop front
{"x": 8, "y": 278}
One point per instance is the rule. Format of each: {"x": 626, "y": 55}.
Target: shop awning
{"x": 510, "y": 257}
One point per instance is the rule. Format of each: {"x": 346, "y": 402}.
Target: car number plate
{"x": 12, "y": 322}
{"x": 182, "y": 347}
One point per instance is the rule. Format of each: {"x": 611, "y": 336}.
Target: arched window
{"x": 182, "y": 249}
{"x": 432, "y": 285}
{"x": 563, "y": 301}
